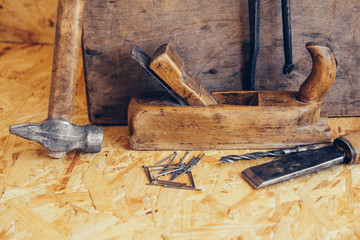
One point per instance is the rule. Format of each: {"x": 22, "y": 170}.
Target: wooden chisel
{"x": 345, "y": 149}
{"x": 169, "y": 66}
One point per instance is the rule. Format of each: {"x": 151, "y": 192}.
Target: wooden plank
{"x": 212, "y": 38}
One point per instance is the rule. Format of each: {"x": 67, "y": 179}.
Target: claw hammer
{"x": 57, "y": 134}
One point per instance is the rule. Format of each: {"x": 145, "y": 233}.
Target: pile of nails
{"x": 174, "y": 170}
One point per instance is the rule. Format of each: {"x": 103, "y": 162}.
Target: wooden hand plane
{"x": 241, "y": 119}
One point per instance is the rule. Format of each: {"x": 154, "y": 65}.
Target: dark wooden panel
{"x": 212, "y": 38}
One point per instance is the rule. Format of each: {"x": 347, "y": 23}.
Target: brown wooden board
{"x": 212, "y": 38}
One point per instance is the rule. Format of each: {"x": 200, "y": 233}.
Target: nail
{"x": 191, "y": 179}
{"x": 192, "y": 163}
{"x": 147, "y": 172}
{"x": 168, "y": 157}
{"x": 166, "y": 173}
{"x": 154, "y": 166}
{"x": 170, "y": 182}
{"x": 165, "y": 168}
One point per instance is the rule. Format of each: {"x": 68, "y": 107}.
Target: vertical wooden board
{"x": 333, "y": 23}
{"x": 212, "y": 38}
{"x": 27, "y": 21}
{"x": 206, "y": 34}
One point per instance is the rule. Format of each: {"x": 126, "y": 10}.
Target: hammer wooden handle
{"x": 322, "y": 74}
{"x": 169, "y": 66}
{"x": 66, "y": 58}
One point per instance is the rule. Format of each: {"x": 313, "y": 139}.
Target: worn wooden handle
{"x": 169, "y": 66}
{"x": 66, "y": 58}
{"x": 350, "y": 143}
{"x": 321, "y": 77}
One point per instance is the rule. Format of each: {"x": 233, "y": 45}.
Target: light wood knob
{"x": 322, "y": 75}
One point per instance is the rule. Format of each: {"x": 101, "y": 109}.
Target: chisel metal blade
{"x": 144, "y": 60}
{"x": 288, "y": 167}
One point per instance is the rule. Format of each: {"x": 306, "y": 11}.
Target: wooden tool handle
{"x": 66, "y": 58}
{"x": 169, "y": 66}
{"x": 321, "y": 77}
{"x": 350, "y": 143}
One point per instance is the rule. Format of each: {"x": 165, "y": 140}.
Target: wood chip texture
{"x": 105, "y": 196}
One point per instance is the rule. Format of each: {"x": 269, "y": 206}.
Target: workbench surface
{"x": 105, "y": 196}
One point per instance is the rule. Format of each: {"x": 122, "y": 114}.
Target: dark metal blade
{"x": 144, "y": 60}
{"x": 288, "y": 167}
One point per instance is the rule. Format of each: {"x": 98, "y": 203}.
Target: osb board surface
{"x": 27, "y": 21}
{"x": 104, "y": 196}
{"x": 212, "y": 37}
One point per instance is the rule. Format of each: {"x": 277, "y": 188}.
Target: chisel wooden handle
{"x": 66, "y": 58}
{"x": 322, "y": 74}
{"x": 169, "y": 66}
{"x": 350, "y": 143}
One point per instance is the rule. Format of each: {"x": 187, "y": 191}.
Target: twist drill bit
{"x": 274, "y": 153}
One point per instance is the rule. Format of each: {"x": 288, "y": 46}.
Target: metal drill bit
{"x": 274, "y": 153}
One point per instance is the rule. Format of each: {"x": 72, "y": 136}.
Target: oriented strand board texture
{"x": 27, "y": 21}
{"x": 104, "y": 196}
{"x": 212, "y": 37}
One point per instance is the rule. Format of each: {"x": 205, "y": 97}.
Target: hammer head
{"x": 59, "y": 136}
